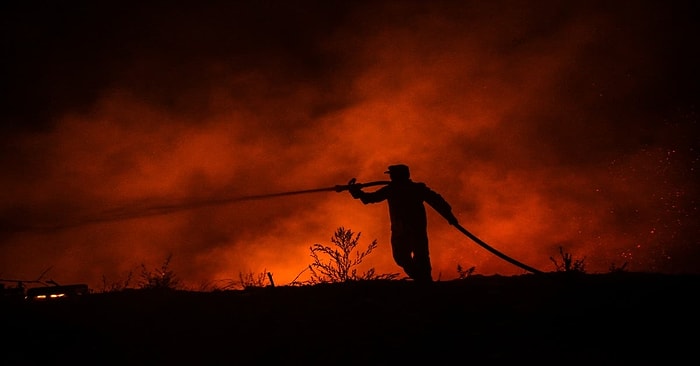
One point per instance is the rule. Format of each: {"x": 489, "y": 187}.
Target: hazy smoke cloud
{"x": 543, "y": 126}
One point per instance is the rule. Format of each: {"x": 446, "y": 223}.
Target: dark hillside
{"x": 556, "y": 318}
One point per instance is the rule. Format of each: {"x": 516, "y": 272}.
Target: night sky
{"x": 544, "y": 124}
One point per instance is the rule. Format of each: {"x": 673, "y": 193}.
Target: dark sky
{"x": 545, "y": 125}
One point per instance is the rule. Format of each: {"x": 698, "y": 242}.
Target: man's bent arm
{"x": 440, "y": 205}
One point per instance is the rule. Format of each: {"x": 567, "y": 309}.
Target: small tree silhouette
{"x": 568, "y": 263}
{"x": 339, "y": 268}
{"x": 464, "y": 273}
{"x": 251, "y": 280}
{"x": 117, "y": 286}
{"x": 161, "y": 278}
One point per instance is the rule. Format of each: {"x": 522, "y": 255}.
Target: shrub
{"x": 464, "y": 273}
{"x": 162, "y": 278}
{"x": 341, "y": 262}
{"x": 117, "y": 286}
{"x": 251, "y": 280}
{"x": 569, "y": 264}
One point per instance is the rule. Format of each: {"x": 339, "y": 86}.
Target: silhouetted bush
{"x": 119, "y": 285}
{"x": 251, "y": 280}
{"x": 569, "y": 264}
{"x": 162, "y": 278}
{"x": 341, "y": 262}
{"x": 464, "y": 273}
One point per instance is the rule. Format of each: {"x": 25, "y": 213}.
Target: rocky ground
{"x": 555, "y": 318}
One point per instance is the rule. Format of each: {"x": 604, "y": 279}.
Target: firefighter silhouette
{"x": 409, "y": 234}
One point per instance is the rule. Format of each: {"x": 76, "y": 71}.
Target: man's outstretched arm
{"x": 372, "y": 197}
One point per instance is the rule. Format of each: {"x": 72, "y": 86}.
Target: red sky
{"x": 565, "y": 124}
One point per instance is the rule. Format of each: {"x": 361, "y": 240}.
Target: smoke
{"x": 556, "y": 125}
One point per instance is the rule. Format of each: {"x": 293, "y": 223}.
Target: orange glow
{"x": 509, "y": 114}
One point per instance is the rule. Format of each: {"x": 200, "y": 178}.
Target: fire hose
{"x": 131, "y": 212}
{"x": 494, "y": 251}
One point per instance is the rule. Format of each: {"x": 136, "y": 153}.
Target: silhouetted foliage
{"x": 341, "y": 262}
{"x": 251, "y": 280}
{"x": 119, "y": 285}
{"x": 161, "y": 278}
{"x": 464, "y": 273}
{"x": 569, "y": 264}
{"x": 616, "y": 269}
{"x": 220, "y": 285}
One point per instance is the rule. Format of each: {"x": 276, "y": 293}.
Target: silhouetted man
{"x": 409, "y": 235}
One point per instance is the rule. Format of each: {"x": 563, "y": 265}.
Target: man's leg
{"x": 421, "y": 259}
{"x": 402, "y": 255}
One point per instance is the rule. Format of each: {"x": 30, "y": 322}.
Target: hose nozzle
{"x": 351, "y": 183}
